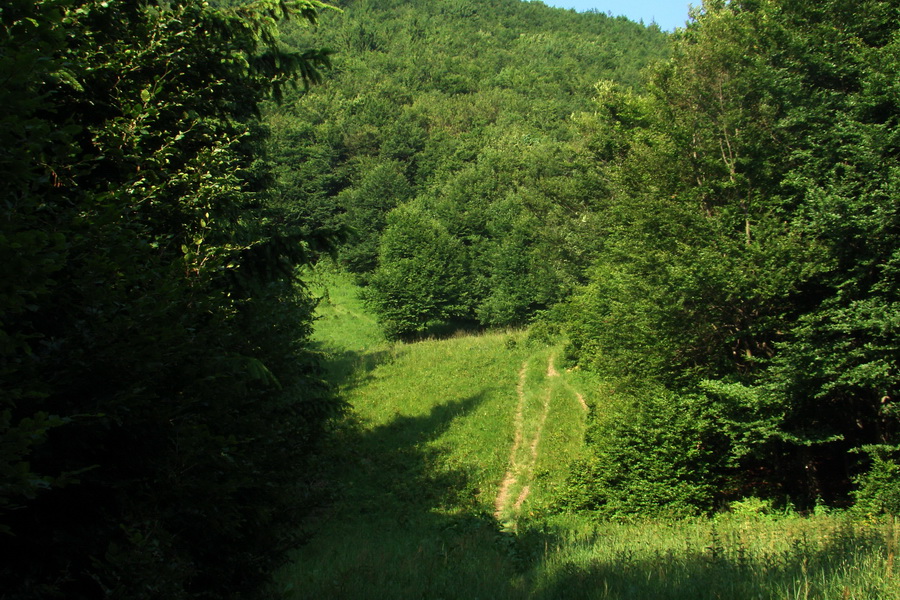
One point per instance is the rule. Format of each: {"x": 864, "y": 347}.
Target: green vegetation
{"x": 714, "y": 233}
{"x": 648, "y": 285}
{"x": 440, "y": 145}
{"x": 748, "y": 215}
{"x": 430, "y": 439}
{"x": 740, "y": 556}
{"x": 160, "y": 405}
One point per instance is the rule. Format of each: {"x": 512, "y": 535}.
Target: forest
{"x": 236, "y": 233}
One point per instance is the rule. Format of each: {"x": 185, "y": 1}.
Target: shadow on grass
{"x": 346, "y": 369}
{"x": 406, "y": 522}
{"x": 396, "y": 463}
{"x": 441, "y": 330}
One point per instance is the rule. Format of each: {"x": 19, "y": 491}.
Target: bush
{"x": 878, "y": 489}
{"x": 652, "y": 452}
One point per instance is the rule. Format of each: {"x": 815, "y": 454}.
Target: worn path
{"x": 520, "y": 473}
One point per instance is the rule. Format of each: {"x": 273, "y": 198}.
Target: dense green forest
{"x": 709, "y": 217}
{"x": 707, "y": 221}
{"x": 457, "y": 115}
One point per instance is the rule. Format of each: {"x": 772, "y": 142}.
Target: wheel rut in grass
{"x": 509, "y": 480}
{"x": 552, "y": 372}
{"x": 524, "y": 454}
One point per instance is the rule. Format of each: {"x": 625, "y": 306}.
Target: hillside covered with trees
{"x": 709, "y": 217}
{"x": 704, "y": 222}
{"x": 457, "y": 115}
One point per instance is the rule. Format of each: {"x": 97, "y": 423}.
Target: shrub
{"x": 878, "y": 489}
{"x": 652, "y": 452}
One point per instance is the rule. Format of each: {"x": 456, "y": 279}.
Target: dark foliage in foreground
{"x": 159, "y": 406}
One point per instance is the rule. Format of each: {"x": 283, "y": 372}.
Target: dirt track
{"x": 521, "y": 465}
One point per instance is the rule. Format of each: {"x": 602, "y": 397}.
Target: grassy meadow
{"x": 445, "y": 470}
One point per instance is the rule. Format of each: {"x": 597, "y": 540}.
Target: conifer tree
{"x": 159, "y": 404}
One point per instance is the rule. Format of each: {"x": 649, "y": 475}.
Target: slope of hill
{"x": 445, "y": 473}
{"x": 451, "y": 119}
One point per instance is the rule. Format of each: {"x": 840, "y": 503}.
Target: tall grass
{"x": 734, "y": 556}
{"x": 417, "y": 465}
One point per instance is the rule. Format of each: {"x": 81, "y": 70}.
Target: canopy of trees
{"x": 459, "y": 109}
{"x": 158, "y": 402}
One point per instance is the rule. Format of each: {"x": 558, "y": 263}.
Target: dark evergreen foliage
{"x": 159, "y": 407}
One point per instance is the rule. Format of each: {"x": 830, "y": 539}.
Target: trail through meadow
{"x": 527, "y": 436}
{"x": 444, "y": 475}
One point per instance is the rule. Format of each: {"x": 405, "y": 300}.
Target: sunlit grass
{"x": 416, "y": 472}
{"x": 740, "y": 557}
{"x": 417, "y": 465}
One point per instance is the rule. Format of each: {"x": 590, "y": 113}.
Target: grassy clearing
{"x": 417, "y": 470}
{"x": 349, "y": 337}
{"x": 420, "y": 460}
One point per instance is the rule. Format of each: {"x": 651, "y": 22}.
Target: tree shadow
{"x": 454, "y": 327}
{"x": 406, "y": 521}
{"x": 396, "y": 461}
{"x": 346, "y": 369}
{"x": 442, "y": 330}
